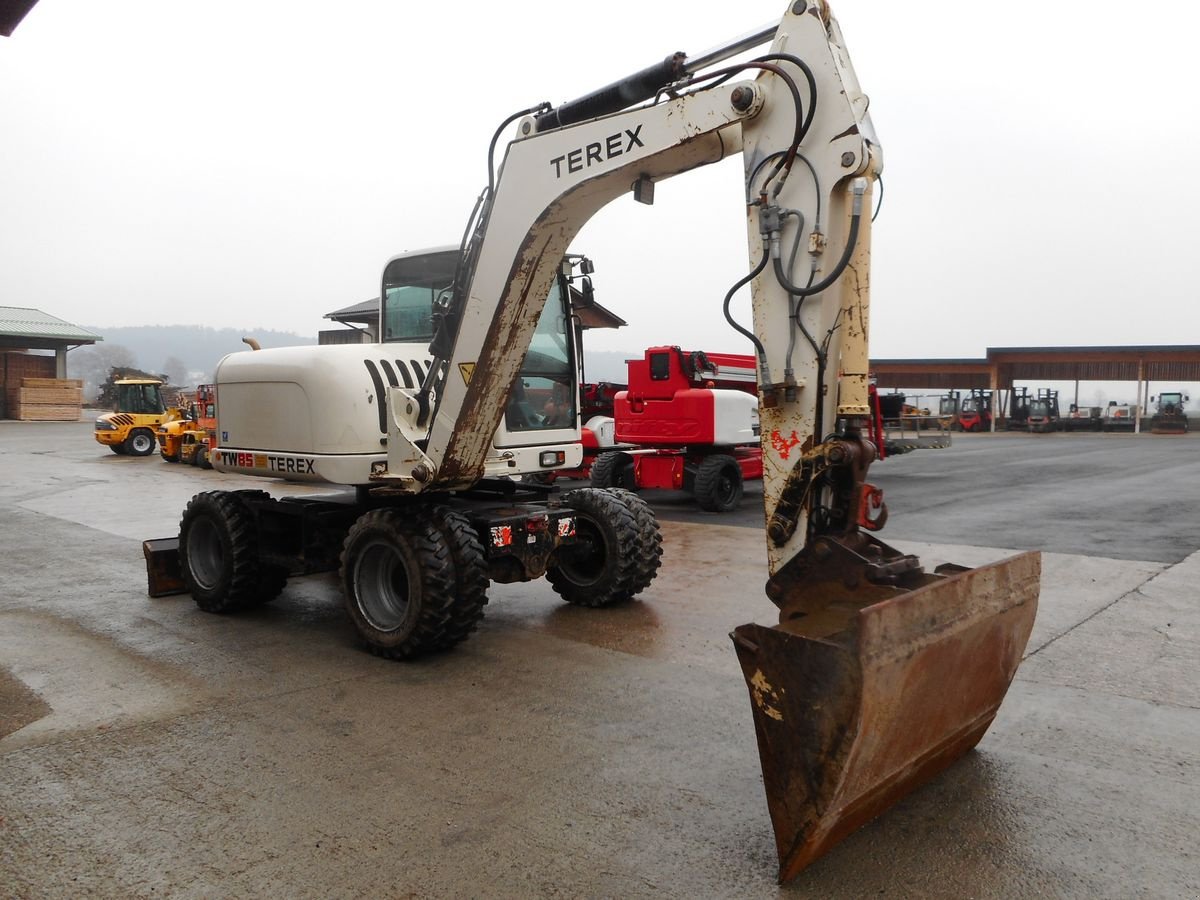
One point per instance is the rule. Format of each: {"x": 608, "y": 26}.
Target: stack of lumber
{"x": 46, "y": 400}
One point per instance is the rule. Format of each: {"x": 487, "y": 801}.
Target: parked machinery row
{"x": 1040, "y": 412}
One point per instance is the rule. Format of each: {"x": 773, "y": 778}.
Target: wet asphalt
{"x": 149, "y": 749}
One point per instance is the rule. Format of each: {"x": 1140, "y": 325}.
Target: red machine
{"x": 687, "y": 421}
{"x": 975, "y": 414}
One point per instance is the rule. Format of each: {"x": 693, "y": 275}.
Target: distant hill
{"x": 607, "y": 365}
{"x": 198, "y": 347}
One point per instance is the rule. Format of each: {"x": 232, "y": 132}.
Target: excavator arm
{"x": 878, "y": 674}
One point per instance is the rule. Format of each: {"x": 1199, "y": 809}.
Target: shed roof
{"x": 21, "y": 326}
{"x": 1004, "y": 365}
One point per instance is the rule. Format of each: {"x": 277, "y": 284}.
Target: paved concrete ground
{"x": 152, "y": 749}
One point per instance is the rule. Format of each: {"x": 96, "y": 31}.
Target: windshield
{"x": 143, "y": 399}
{"x": 410, "y": 285}
{"x": 543, "y": 396}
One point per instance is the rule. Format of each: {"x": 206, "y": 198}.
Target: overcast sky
{"x": 254, "y": 164}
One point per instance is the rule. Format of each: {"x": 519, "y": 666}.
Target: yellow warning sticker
{"x": 467, "y": 369}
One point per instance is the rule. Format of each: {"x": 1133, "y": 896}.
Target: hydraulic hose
{"x": 759, "y": 349}
{"x": 851, "y": 240}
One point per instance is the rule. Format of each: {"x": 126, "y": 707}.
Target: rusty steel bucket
{"x": 874, "y": 689}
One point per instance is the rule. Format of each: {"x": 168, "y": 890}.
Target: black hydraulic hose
{"x": 797, "y": 290}
{"x": 754, "y": 273}
{"x": 533, "y": 110}
{"x": 790, "y": 153}
{"x": 808, "y": 76}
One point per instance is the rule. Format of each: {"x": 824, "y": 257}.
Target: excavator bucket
{"x": 865, "y": 693}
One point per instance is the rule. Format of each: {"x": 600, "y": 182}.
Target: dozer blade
{"x": 877, "y": 691}
{"x": 162, "y": 567}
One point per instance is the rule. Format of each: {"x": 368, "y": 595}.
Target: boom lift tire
{"x": 614, "y": 469}
{"x": 649, "y": 552}
{"x": 398, "y": 580}
{"x": 218, "y": 554}
{"x": 601, "y": 567}
{"x": 140, "y": 442}
{"x": 118, "y": 449}
{"x": 470, "y": 575}
{"x": 718, "y": 484}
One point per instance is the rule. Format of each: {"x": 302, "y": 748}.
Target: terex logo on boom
{"x": 598, "y": 151}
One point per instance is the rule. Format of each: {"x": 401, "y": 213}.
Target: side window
{"x": 543, "y": 396}
{"x": 410, "y": 285}
{"x": 408, "y": 314}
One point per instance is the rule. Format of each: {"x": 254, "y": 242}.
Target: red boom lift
{"x": 687, "y": 421}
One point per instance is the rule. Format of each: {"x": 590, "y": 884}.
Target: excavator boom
{"x": 878, "y": 675}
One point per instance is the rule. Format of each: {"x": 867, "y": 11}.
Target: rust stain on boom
{"x": 873, "y": 689}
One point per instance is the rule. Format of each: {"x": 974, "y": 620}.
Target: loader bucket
{"x": 866, "y": 697}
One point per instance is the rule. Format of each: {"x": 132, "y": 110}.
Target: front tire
{"x": 398, "y": 582}
{"x": 600, "y": 568}
{"x": 718, "y": 486}
{"x": 140, "y": 442}
{"x": 649, "y": 542}
{"x": 219, "y": 554}
{"x": 470, "y": 575}
{"x": 614, "y": 469}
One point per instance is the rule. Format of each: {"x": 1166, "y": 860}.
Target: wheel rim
{"x": 585, "y": 563}
{"x": 141, "y": 443}
{"x": 206, "y": 553}
{"x": 381, "y": 586}
{"x": 726, "y": 488}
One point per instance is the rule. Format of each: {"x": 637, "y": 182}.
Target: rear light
{"x": 550, "y": 458}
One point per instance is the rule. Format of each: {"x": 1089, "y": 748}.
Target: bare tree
{"x": 93, "y": 365}
{"x": 176, "y": 371}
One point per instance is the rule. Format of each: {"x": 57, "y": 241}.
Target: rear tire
{"x": 140, "y": 442}
{"x": 718, "y": 484}
{"x": 118, "y": 449}
{"x": 398, "y": 582}
{"x": 600, "y": 568}
{"x": 219, "y": 555}
{"x": 649, "y": 551}
{"x": 614, "y": 470}
{"x": 470, "y": 575}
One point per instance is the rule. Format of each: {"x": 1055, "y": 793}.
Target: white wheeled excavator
{"x": 878, "y": 675}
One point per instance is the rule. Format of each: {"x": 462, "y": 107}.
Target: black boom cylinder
{"x": 630, "y": 90}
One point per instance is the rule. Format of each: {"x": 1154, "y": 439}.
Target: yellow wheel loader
{"x": 877, "y": 674}
{"x": 131, "y": 430}
{"x": 188, "y": 440}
